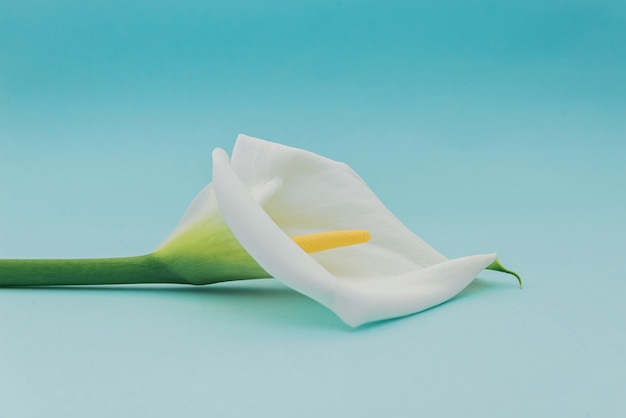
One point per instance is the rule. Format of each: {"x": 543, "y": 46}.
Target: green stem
{"x": 126, "y": 270}
{"x": 496, "y": 266}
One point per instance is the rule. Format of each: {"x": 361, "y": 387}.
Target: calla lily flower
{"x": 276, "y": 211}
{"x": 395, "y": 273}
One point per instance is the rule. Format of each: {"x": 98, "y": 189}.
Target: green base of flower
{"x": 204, "y": 253}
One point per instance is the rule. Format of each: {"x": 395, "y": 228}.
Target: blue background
{"x": 483, "y": 125}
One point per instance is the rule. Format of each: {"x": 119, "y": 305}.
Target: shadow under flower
{"x": 265, "y": 300}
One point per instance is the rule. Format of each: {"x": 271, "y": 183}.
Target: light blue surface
{"x": 485, "y": 126}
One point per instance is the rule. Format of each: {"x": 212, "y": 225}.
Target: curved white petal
{"x": 336, "y": 198}
{"x": 266, "y": 242}
{"x": 409, "y": 293}
{"x": 320, "y": 195}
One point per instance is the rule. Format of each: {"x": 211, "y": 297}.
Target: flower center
{"x": 313, "y": 243}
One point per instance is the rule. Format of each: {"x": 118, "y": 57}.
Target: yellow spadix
{"x": 313, "y": 243}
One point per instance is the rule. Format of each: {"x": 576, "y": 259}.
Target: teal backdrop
{"x": 483, "y": 125}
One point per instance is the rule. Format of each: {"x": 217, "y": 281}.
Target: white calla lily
{"x": 394, "y": 274}
{"x": 276, "y": 211}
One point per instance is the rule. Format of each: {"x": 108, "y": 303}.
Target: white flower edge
{"x": 355, "y": 302}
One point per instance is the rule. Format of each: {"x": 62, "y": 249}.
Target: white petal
{"x": 275, "y": 251}
{"x": 265, "y": 234}
{"x": 378, "y": 299}
{"x": 320, "y": 195}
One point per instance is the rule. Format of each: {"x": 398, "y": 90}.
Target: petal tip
{"x": 220, "y": 155}
{"x": 496, "y": 266}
